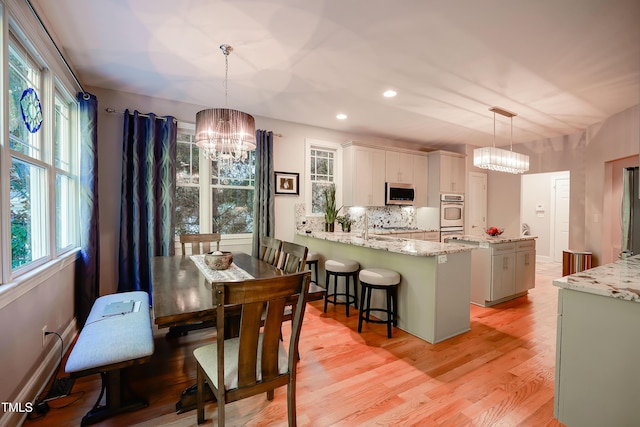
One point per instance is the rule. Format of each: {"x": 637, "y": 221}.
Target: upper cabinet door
{"x": 364, "y": 176}
{"x": 399, "y": 167}
{"x": 446, "y": 175}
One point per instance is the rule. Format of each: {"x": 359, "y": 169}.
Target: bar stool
{"x": 312, "y": 263}
{"x": 379, "y": 278}
{"x": 347, "y": 269}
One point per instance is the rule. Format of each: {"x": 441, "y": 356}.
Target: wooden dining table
{"x": 182, "y": 298}
{"x": 181, "y": 294}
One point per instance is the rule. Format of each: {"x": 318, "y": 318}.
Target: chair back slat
{"x": 200, "y": 243}
{"x": 270, "y": 250}
{"x": 293, "y": 258}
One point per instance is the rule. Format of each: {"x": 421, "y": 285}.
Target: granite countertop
{"x": 489, "y": 239}
{"x": 382, "y": 231}
{"x": 391, "y": 244}
{"x": 620, "y": 279}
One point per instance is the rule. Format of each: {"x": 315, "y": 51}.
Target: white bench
{"x": 109, "y": 344}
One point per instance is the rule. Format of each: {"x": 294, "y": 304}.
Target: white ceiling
{"x": 561, "y": 65}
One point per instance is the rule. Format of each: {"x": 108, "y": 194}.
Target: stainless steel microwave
{"x": 399, "y": 194}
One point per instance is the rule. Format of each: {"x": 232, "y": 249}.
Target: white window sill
{"x": 11, "y": 291}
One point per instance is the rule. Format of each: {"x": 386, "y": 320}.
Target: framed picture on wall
{"x": 287, "y": 183}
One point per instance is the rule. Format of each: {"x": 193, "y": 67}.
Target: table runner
{"x": 233, "y": 273}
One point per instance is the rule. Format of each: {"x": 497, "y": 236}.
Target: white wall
{"x": 584, "y": 155}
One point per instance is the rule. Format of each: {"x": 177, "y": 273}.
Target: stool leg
{"x": 347, "y": 295}
{"x": 368, "y": 311}
{"x": 326, "y": 295}
{"x": 362, "y": 308}
{"x": 389, "y": 315}
{"x": 355, "y": 289}
{"x": 394, "y": 297}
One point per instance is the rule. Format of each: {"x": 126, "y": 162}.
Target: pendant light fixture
{"x": 497, "y": 159}
{"x": 223, "y": 134}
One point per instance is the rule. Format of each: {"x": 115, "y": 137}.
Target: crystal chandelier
{"x": 497, "y": 159}
{"x": 223, "y": 134}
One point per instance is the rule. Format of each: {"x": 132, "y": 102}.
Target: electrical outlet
{"x": 44, "y": 331}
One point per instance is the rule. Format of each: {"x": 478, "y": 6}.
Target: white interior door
{"x": 561, "y": 218}
{"x": 477, "y": 204}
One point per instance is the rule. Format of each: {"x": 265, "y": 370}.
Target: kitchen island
{"x": 433, "y": 296}
{"x": 597, "y": 380}
{"x": 503, "y": 267}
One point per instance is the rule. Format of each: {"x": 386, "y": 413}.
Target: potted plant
{"x": 330, "y": 211}
{"x": 345, "y": 221}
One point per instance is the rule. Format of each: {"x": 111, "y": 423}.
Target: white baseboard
{"x": 41, "y": 377}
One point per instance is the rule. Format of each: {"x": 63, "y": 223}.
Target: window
{"x": 221, "y": 203}
{"x": 42, "y": 151}
{"x": 28, "y": 175}
{"x": 187, "y": 184}
{"x": 323, "y": 167}
{"x": 65, "y": 155}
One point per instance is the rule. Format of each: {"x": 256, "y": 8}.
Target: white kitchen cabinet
{"x": 363, "y": 176}
{"x": 399, "y": 167}
{"x": 420, "y": 180}
{"x": 502, "y": 270}
{"x": 597, "y": 382}
{"x": 525, "y": 265}
{"x": 446, "y": 175}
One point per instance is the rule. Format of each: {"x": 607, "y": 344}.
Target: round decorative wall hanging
{"x": 31, "y": 110}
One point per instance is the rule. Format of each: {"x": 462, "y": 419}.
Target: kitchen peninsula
{"x": 597, "y": 380}
{"x": 433, "y": 296}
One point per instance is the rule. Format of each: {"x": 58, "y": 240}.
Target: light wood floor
{"x": 499, "y": 374}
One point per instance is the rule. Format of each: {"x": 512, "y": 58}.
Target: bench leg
{"x": 113, "y": 383}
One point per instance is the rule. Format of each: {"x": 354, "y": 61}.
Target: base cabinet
{"x": 501, "y": 271}
{"x": 502, "y": 276}
{"x": 597, "y": 382}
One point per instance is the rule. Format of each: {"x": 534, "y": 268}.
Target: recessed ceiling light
{"x": 341, "y": 116}
{"x": 389, "y": 93}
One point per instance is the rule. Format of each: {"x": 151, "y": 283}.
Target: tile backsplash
{"x": 379, "y": 217}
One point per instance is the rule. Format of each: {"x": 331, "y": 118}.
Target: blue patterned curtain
{"x": 87, "y": 280}
{"x": 263, "y": 215}
{"x": 148, "y": 197}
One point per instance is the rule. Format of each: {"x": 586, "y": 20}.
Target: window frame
{"x": 37, "y": 51}
{"x": 206, "y": 187}
{"x": 336, "y": 148}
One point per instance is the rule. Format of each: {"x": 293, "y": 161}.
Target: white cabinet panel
{"x": 399, "y": 167}
{"x": 363, "y": 176}
{"x": 446, "y": 175}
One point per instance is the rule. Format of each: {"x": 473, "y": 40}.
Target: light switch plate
{"x": 442, "y": 259}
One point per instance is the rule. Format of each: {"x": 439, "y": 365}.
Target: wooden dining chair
{"x": 270, "y": 250}
{"x": 293, "y": 257}
{"x": 200, "y": 243}
{"x": 256, "y": 361}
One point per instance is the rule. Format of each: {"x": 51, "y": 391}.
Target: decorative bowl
{"x": 218, "y": 260}
{"x": 494, "y": 231}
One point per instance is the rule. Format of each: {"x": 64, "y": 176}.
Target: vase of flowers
{"x": 345, "y": 221}
{"x": 330, "y": 211}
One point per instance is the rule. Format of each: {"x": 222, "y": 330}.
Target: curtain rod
{"x": 85, "y": 94}
{"x": 113, "y": 111}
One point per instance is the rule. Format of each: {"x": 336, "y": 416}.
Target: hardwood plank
{"x": 499, "y": 373}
